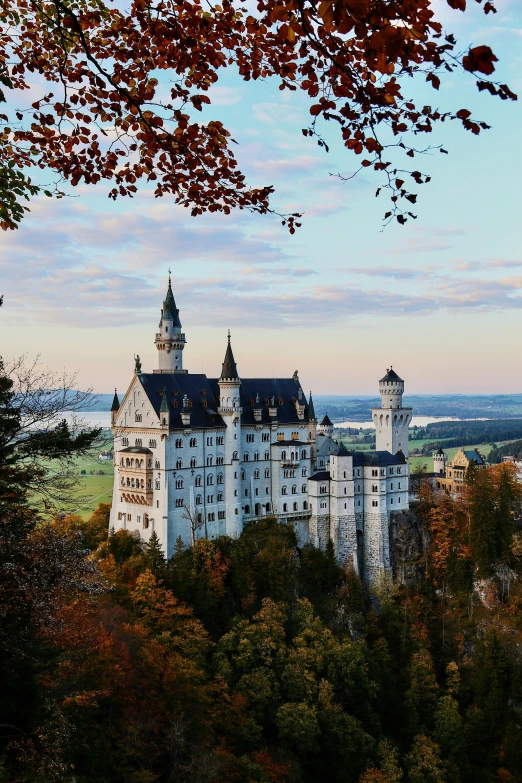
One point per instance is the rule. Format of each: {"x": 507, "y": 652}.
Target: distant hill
{"x": 357, "y": 408}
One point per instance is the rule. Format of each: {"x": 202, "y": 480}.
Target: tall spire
{"x": 115, "y": 402}
{"x": 229, "y": 368}
{"x": 311, "y": 409}
{"x": 169, "y": 311}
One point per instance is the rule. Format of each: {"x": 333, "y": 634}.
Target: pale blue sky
{"x": 440, "y": 298}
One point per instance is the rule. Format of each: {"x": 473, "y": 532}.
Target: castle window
{"x": 234, "y": 455}
{"x": 220, "y": 497}
{"x": 358, "y": 502}
{"x": 391, "y": 471}
{"x": 284, "y": 490}
{"x": 268, "y": 506}
{"x": 235, "y": 493}
{"x": 158, "y": 485}
{"x": 209, "y": 441}
{"x": 375, "y": 488}
{"x": 164, "y": 420}
{"x": 210, "y": 461}
{"x": 157, "y": 464}
{"x": 391, "y": 485}
{"x": 256, "y": 457}
{"x": 398, "y": 470}
{"x": 179, "y": 483}
{"x": 219, "y": 478}
{"x": 247, "y": 509}
{"x": 305, "y": 506}
{"x": 303, "y": 454}
{"x": 219, "y": 440}
{"x": 267, "y": 472}
{"x": 137, "y": 442}
{"x": 210, "y": 498}
{"x": 211, "y": 517}
{"x": 145, "y": 521}
{"x": 256, "y": 474}
{"x": 345, "y": 490}
{"x": 250, "y": 438}
{"x": 198, "y": 500}
{"x": 399, "y": 484}
{"x": 152, "y": 444}
{"x": 375, "y": 503}
{"x": 398, "y": 500}
{"x": 124, "y": 441}
{"x": 375, "y": 472}
{"x": 242, "y": 475}
{"x": 265, "y": 437}
{"x": 197, "y": 481}
{"x": 245, "y": 457}
{"x": 267, "y": 491}
{"x": 193, "y": 442}
{"x": 210, "y": 480}
{"x": 246, "y": 493}
{"x": 221, "y": 514}
{"x": 303, "y": 472}
{"x": 219, "y": 460}
{"x": 294, "y": 490}
{"x": 179, "y": 464}
{"x": 303, "y": 488}
{"x": 179, "y": 443}
{"x": 193, "y": 462}
{"x": 137, "y": 416}
{"x": 285, "y": 507}
{"x": 295, "y": 506}
{"x": 256, "y": 491}
{"x": 267, "y": 455}
{"x": 391, "y": 501}
{"x": 179, "y": 502}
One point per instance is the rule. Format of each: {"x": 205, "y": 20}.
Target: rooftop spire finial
{"x": 229, "y": 336}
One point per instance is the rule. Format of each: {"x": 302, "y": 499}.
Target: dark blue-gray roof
{"x": 323, "y": 475}
{"x": 474, "y": 455}
{"x": 377, "y": 458}
{"x": 326, "y": 421}
{"x": 391, "y": 375}
{"x": 203, "y": 393}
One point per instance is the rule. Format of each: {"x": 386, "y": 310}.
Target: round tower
{"x": 439, "y": 462}
{"x": 170, "y": 341}
{"x": 391, "y": 389}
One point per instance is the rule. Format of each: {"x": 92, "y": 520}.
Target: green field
{"x": 91, "y": 489}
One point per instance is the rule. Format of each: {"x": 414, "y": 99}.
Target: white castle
{"x": 196, "y": 456}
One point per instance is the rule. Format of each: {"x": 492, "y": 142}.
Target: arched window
{"x": 295, "y": 506}
{"x": 152, "y": 444}
{"x": 220, "y": 497}
{"x": 145, "y": 521}
{"x": 179, "y": 502}
{"x": 219, "y": 478}
{"x": 303, "y": 488}
{"x": 198, "y": 500}
{"x": 179, "y": 483}
{"x": 294, "y": 490}
{"x": 158, "y": 485}
{"x": 179, "y": 464}
{"x": 219, "y": 460}
{"x": 197, "y": 481}
{"x": 303, "y": 472}
{"x": 179, "y": 443}
{"x": 210, "y": 480}
{"x": 305, "y": 505}
{"x": 284, "y": 490}
{"x": 247, "y": 509}
{"x": 285, "y": 507}
{"x": 256, "y": 474}
{"x": 256, "y": 456}
{"x": 283, "y": 455}
{"x": 303, "y": 454}
{"x": 242, "y": 475}
{"x": 268, "y": 506}
{"x": 157, "y": 464}
{"x": 138, "y": 442}
{"x": 267, "y": 455}
{"x": 210, "y": 461}
{"x": 245, "y": 457}
{"x": 234, "y": 455}
{"x": 267, "y": 472}
{"x": 193, "y": 462}
{"x": 193, "y": 442}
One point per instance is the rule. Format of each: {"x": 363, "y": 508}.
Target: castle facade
{"x": 197, "y": 456}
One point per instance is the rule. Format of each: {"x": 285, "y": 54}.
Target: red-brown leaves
{"x": 481, "y": 59}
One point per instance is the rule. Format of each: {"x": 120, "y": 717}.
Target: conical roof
{"x": 326, "y": 421}
{"x": 115, "y": 402}
{"x": 343, "y": 451}
{"x": 164, "y": 408}
{"x": 391, "y": 375}
{"x": 229, "y": 368}
{"x": 170, "y": 312}
{"x": 311, "y": 409}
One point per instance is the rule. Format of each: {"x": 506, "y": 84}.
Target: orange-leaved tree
{"x": 108, "y": 114}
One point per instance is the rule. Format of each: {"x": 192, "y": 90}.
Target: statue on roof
{"x": 137, "y": 364}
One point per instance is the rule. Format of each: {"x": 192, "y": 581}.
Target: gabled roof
{"x": 377, "y": 459}
{"x": 391, "y": 375}
{"x": 326, "y": 445}
{"x": 323, "y": 475}
{"x": 284, "y": 392}
{"x": 326, "y": 421}
{"x": 195, "y": 386}
{"x": 474, "y": 455}
{"x": 229, "y": 368}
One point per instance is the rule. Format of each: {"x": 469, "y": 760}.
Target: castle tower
{"x": 230, "y": 411}
{"x": 170, "y": 341}
{"x": 391, "y": 420}
{"x": 342, "y": 512}
{"x": 439, "y": 462}
{"x": 325, "y": 427}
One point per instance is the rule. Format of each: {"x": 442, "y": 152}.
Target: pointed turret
{"x": 115, "y": 407}
{"x": 311, "y": 409}
{"x": 170, "y": 341}
{"x": 164, "y": 410}
{"x": 229, "y": 369}
{"x": 325, "y": 427}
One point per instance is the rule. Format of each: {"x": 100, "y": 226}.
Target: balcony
{"x": 135, "y": 475}
{"x": 289, "y": 463}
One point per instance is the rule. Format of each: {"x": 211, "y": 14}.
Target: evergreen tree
{"x": 154, "y": 557}
{"x": 483, "y": 519}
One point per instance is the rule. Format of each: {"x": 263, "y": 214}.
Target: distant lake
{"x": 417, "y": 421}
{"x": 91, "y": 418}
